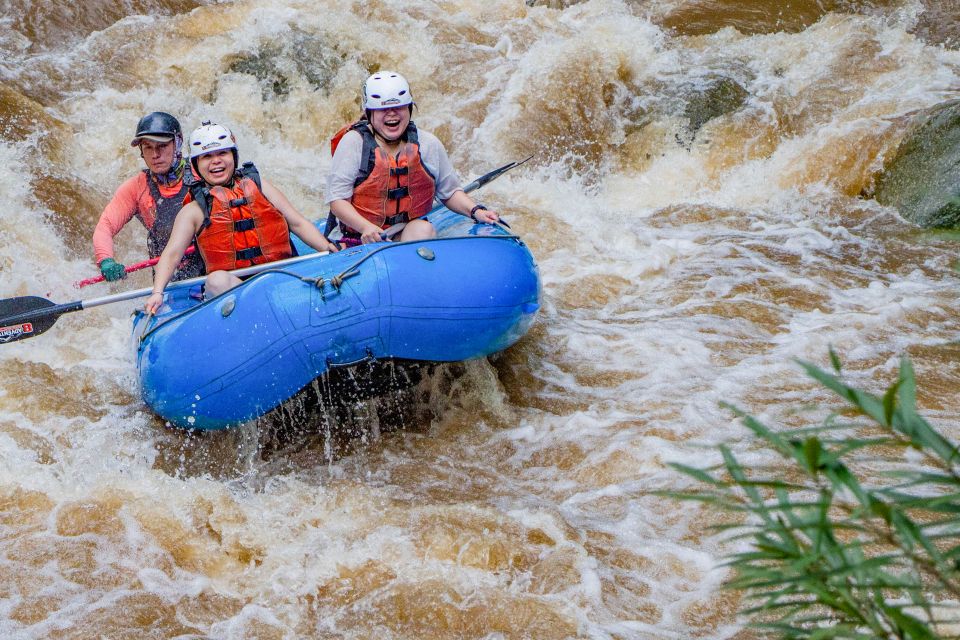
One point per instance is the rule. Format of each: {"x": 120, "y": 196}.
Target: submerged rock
{"x": 716, "y": 96}
{"x": 923, "y": 179}
{"x": 299, "y": 58}
{"x": 939, "y": 24}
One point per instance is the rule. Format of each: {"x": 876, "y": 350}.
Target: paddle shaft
{"x": 78, "y": 305}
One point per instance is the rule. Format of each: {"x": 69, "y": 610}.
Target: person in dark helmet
{"x": 154, "y": 196}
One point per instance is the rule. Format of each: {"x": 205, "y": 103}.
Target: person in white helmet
{"x": 386, "y": 171}
{"x": 237, "y": 219}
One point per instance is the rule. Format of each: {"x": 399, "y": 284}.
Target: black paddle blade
{"x": 24, "y": 317}
{"x": 492, "y": 175}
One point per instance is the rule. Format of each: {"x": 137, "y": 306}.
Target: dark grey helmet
{"x": 158, "y": 126}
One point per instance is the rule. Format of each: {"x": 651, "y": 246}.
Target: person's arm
{"x": 185, "y": 227}
{"x": 118, "y": 212}
{"x": 303, "y": 228}
{"x": 463, "y": 204}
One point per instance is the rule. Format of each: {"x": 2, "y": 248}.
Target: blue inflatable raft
{"x": 472, "y": 291}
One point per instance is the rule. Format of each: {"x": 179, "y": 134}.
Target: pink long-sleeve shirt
{"x": 131, "y": 198}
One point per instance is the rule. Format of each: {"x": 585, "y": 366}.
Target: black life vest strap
{"x": 403, "y": 216}
{"x": 247, "y": 224}
{"x": 249, "y": 254}
{"x": 368, "y": 156}
{"x": 201, "y": 195}
{"x": 248, "y": 170}
{"x": 399, "y": 192}
{"x": 330, "y": 225}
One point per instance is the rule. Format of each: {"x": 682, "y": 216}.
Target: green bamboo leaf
{"x": 835, "y": 360}
{"x": 839, "y": 474}
{"x": 918, "y": 478}
{"x": 868, "y": 568}
{"x": 890, "y": 403}
{"x": 812, "y": 452}
{"x": 907, "y": 384}
{"x": 922, "y": 436}
{"x": 777, "y": 484}
{"x": 761, "y": 430}
{"x": 867, "y": 403}
{"x": 791, "y": 632}
{"x": 739, "y": 476}
{"x": 698, "y": 474}
{"x": 953, "y": 552}
{"x": 912, "y": 628}
{"x": 835, "y": 632}
{"x": 911, "y": 535}
{"x": 880, "y": 509}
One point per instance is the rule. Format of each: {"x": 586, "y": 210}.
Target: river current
{"x": 698, "y": 204}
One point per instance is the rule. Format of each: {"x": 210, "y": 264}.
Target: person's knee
{"x": 218, "y": 282}
{"x": 418, "y": 230}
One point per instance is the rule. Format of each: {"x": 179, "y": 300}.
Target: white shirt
{"x": 346, "y": 166}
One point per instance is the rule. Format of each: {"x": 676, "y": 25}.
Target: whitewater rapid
{"x": 699, "y": 206}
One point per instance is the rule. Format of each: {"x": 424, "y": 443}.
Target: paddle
{"x": 129, "y": 269}
{"x": 493, "y": 175}
{"x": 29, "y": 316}
{"x": 476, "y": 184}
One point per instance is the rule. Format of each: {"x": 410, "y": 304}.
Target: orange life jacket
{"x": 240, "y": 226}
{"x": 389, "y": 190}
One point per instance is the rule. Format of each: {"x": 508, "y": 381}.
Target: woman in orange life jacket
{"x": 237, "y": 219}
{"x": 385, "y": 171}
{"x": 154, "y": 196}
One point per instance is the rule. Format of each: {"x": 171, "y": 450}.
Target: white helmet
{"x": 209, "y": 138}
{"x": 386, "y": 89}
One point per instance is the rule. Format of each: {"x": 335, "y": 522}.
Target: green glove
{"x": 112, "y": 270}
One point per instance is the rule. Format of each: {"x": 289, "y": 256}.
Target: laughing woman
{"x": 386, "y": 172}
{"x": 238, "y": 219}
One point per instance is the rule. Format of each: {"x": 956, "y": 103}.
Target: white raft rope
{"x": 337, "y": 281}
